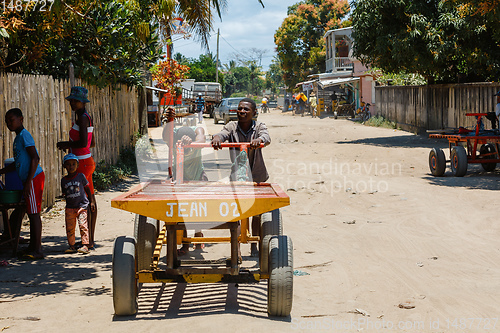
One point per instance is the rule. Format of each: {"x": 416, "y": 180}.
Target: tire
{"x": 216, "y": 121}
{"x": 280, "y": 283}
{"x": 488, "y": 148}
{"x": 123, "y": 272}
{"x": 458, "y": 161}
{"x": 271, "y": 226}
{"x": 367, "y": 116}
{"x": 264, "y": 253}
{"x": 272, "y": 223}
{"x": 145, "y": 233}
{"x": 226, "y": 120}
{"x": 437, "y": 162}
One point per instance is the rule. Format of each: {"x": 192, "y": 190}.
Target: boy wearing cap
{"x": 76, "y": 190}
{"x": 81, "y": 139}
{"x": 26, "y": 163}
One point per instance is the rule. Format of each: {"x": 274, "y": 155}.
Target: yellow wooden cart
{"x": 165, "y": 208}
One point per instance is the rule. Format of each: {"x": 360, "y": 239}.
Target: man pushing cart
{"x": 166, "y": 206}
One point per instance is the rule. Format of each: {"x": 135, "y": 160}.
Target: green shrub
{"x": 379, "y": 121}
{"x": 106, "y": 174}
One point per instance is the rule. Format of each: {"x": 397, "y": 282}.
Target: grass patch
{"x": 106, "y": 174}
{"x": 379, "y": 121}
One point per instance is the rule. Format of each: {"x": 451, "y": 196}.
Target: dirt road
{"x": 379, "y": 245}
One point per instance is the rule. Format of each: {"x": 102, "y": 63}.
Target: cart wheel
{"x": 437, "y": 162}
{"x": 124, "y": 280}
{"x": 145, "y": 233}
{"x": 488, "y": 148}
{"x": 264, "y": 253}
{"x": 280, "y": 283}
{"x": 458, "y": 161}
{"x": 271, "y": 223}
{"x": 271, "y": 226}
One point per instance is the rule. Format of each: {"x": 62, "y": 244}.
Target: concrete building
{"x": 346, "y": 79}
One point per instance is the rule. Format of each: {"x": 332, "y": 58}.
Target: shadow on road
{"x": 181, "y": 300}
{"x": 55, "y": 273}
{"x": 475, "y": 179}
{"x": 400, "y": 141}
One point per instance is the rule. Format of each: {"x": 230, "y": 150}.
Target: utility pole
{"x": 217, "y": 59}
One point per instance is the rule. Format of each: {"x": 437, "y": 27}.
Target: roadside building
{"x": 346, "y": 80}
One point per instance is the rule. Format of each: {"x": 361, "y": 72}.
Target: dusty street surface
{"x": 379, "y": 245}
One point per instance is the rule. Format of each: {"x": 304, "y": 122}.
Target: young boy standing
{"x": 26, "y": 163}
{"x": 255, "y": 132}
{"x": 76, "y": 190}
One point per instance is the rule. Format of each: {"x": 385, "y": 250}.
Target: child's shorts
{"x": 34, "y": 199}
{"x": 87, "y": 167}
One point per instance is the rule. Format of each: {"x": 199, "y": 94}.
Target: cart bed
{"x": 201, "y": 201}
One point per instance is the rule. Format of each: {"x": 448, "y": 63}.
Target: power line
{"x": 245, "y": 57}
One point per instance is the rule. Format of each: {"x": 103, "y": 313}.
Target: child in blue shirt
{"x": 26, "y": 161}
{"x": 76, "y": 190}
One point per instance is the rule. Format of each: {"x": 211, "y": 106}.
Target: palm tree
{"x": 198, "y": 14}
{"x": 255, "y": 72}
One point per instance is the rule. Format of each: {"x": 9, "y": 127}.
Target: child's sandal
{"x": 84, "y": 250}
{"x": 71, "y": 249}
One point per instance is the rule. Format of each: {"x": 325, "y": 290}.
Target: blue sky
{"x": 244, "y": 25}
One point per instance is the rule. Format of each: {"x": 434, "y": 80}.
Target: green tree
{"x": 488, "y": 9}
{"x": 299, "y": 39}
{"x": 274, "y": 76}
{"x": 429, "y": 37}
{"x": 108, "y": 42}
{"x": 202, "y": 69}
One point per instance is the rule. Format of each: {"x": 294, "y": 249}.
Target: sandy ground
{"x": 373, "y": 233}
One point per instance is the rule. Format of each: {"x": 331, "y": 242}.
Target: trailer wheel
{"x": 280, "y": 283}
{"x": 437, "y": 162}
{"x": 271, "y": 226}
{"x": 458, "y": 161}
{"x": 124, "y": 280}
{"x": 145, "y": 234}
{"x": 488, "y": 148}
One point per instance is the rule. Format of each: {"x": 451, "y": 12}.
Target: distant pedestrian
{"x": 200, "y": 107}
{"x": 81, "y": 139}
{"x": 76, "y": 190}
{"x": 313, "y": 103}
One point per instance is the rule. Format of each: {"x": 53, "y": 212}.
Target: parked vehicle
{"x": 211, "y": 93}
{"x": 227, "y": 110}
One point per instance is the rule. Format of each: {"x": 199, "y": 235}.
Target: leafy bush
{"x": 379, "y": 121}
{"x": 106, "y": 174}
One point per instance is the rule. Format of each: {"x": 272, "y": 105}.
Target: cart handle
{"x": 223, "y": 145}
{"x": 180, "y": 153}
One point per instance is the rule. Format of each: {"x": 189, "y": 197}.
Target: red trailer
{"x": 466, "y": 147}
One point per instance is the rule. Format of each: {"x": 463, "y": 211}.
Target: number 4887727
{"x": 27, "y": 5}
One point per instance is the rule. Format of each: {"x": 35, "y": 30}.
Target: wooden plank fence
{"x": 418, "y": 108}
{"x": 48, "y": 117}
